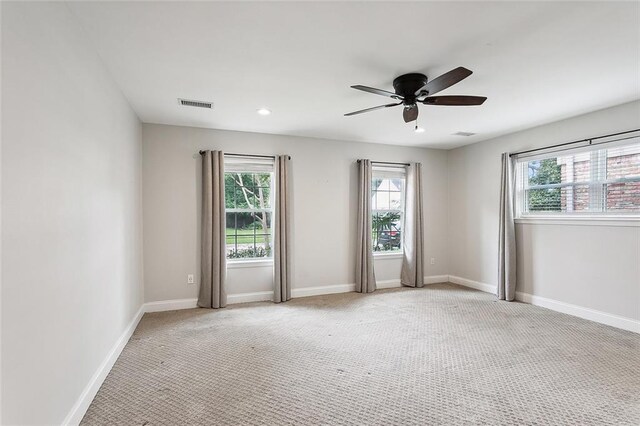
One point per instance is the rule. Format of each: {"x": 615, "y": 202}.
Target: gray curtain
{"x": 507, "y": 232}
{"x": 412, "y": 273}
{"x": 213, "y": 257}
{"x": 365, "y": 277}
{"x": 282, "y": 226}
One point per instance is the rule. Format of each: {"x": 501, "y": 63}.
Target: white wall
{"x": 595, "y": 267}
{"x": 324, "y": 195}
{"x": 71, "y": 213}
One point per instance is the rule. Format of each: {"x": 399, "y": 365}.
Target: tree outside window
{"x": 248, "y": 209}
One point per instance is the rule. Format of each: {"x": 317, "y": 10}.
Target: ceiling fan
{"x": 412, "y": 89}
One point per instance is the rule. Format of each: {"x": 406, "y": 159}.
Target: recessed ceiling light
{"x": 264, "y": 111}
{"x": 419, "y": 129}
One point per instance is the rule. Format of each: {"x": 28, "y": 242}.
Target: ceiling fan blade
{"x": 454, "y": 100}
{"x": 445, "y": 80}
{"x": 410, "y": 113}
{"x": 376, "y": 91}
{"x": 372, "y": 109}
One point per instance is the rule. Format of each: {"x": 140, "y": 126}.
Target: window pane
{"x": 395, "y": 200}
{"x": 544, "y": 200}
{"x": 248, "y": 190}
{"x": 382, "y": 200}
{"x": 576, "y": 198}
{"x": 396, "y": 184}
{"x": 623, "y": 197}
{"x": 623, "y": 164}
{"x": 249, "y": 194}
{"x": 386, "y": 231}
{"x": 249, "y": 235}
{"x": 230, "y": 189}
{"x": 544, "y": 172}
{"x": 581, "y": 170}
{"x": 263, "y": 197}
{"x": 562, "y": 170}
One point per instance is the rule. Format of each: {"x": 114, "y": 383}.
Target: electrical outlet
{"x": 190, "y": 279}
{"x": 433, "y": 260}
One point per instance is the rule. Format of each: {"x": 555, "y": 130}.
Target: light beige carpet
{"x": 442, "y": 355}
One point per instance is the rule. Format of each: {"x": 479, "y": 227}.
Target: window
{"x": 248, "y": 205}
{"x": 387, "y": 208}
{"x": 596, "y": 180}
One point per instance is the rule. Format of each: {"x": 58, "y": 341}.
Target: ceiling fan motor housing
{"x": 407, "y": 85}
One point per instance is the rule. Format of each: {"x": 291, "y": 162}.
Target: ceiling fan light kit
{"x": 412, "y": 89}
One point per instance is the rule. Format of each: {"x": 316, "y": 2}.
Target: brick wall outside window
{"x": 619, "y": 196}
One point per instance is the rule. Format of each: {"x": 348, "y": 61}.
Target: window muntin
{"x": 248, "y": 205}
{"x": 599, "y": 180}
{"x": 387, "y": 209}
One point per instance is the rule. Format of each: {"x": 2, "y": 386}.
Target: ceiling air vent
{"x": 463, "y": 134}
{"x": 197, "y": 104}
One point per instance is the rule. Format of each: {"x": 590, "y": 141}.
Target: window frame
{"x": 597, "y": 183}
{"x": 251, "y": 166}
{"x": 390, "y": 172}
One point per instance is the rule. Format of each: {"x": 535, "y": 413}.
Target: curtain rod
{"x": 273, "y": 157}
{"x": 590, "y": 140}
{"x": 389, "y": 162}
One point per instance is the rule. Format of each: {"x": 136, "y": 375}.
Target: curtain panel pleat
{"x": 507, "y": 232}
{"x": 282, "y": 230}
{"x": 213, "y": 263}
{"x": 412, "y": 273}
{"x": 365, "y": 276}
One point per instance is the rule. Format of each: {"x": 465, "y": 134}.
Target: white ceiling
{"x": 537, "y": 62}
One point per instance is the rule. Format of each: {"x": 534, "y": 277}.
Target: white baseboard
{"x": 387, "y": 284}
{"x": 567, "y": 308}
{"x": 346, "y": 288}
{"x": 487, "y": 288}
{"x": 232, "y": 299}
{"x": 170, "y": 305}
{"x": 258, "y": 296}
{"x": 605, "y": 318}
{"x": 320, "y": 290}
{"x": 617, "y": 321}
{"x": 435, "y": 279}
{"x": 84, "y": 401}
{"x": 263, "y": 296}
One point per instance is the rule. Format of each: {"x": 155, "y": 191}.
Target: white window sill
{"x": 249, "y": 263}
{"x": 391, "y": 255}
{"x": 619, "y": 220}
